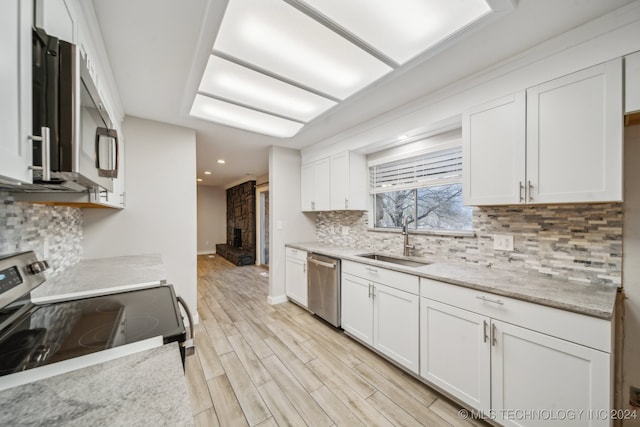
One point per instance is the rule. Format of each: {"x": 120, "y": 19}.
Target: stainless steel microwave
{"x": 78, "y": 149}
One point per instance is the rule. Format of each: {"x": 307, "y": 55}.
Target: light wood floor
{"x": 257, "y": 364}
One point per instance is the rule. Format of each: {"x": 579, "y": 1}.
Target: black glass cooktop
{"x": 54, "y": 332}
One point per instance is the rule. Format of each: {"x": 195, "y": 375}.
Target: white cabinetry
{"x": 632, "y": 83}
{"x": 316, "y": 185}
{"x": 493, "y": 152}
{"x": 568, "y": 150}
{"x": 57, "y": 18}
{"x": 499, "y": 354}
{"x": 381, "y": 308}
{"x": 15, "y": 91}
{"x": 296, "y": 275}
{"x": 454, "y": 353}
{"x": 348, "y": 181}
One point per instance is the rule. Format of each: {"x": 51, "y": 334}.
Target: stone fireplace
{"x": 240, "y": 247}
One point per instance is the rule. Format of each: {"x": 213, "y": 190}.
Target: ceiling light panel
{"x": 225, "y": 79}
{"x": 401, "y": 29}
{"x": 272, "y": 35}
{"x": 243, "y": 118}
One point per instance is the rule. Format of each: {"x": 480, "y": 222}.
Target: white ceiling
{"x": 158, "y": 50}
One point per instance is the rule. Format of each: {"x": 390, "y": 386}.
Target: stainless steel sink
{"x": 394, "y": 260}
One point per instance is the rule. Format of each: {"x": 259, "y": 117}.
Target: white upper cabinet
{"x": 315, "y": 185}
{"x": 338, "y": 182}
{"x": 57, "y": 19}
{"x": 575, "y": 137}
{"x": 15, "y": 91}
{"x": 348, "y": 181}
{"x": 493, "y": 152}
{"x": 565, "y": 146}
{"x": 632, "y": 83}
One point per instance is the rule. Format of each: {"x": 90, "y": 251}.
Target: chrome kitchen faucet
{"x": 405, "y": 233}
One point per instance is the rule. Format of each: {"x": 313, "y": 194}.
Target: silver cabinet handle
{"x": 346, "y": 203}
{"x": 530, "y": 190}
{"x": 304, "y": 267}
{"x": 371, "y": 270}
{"x": 313, "y": 206}
{"x": 486, "y": 333}
{"x": 369, "y": 290}
{"x": 45, "y": 139}
{"x": 322, "y": 263}
{"x": 485, "y": 299}
{"x": 520, "y": 189}
{"x": 373, "y": 290}
{"x": 494, "y": 333}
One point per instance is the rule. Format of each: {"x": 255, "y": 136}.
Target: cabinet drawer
{"x": 395, "y": 279}
{"x": 578, "y": 328}
{"x": 296, "y": 254}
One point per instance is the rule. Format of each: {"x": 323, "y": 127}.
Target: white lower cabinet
{"x": 535, "y": 372}
{"x": 296, "y": 275}
{"x": 454, "y": 353}
{"x": 471, "y": 348}
{"x": 384, "y": 315}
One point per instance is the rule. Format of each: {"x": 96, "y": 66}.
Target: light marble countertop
{"x": 589, "y": 299}
{"x": 105, "y": 275}
{"x": 146, "y": 388}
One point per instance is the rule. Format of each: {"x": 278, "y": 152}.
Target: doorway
{"x": 262, "y": 221}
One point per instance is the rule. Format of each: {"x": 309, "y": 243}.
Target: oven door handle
{"x": 188, "y": 345}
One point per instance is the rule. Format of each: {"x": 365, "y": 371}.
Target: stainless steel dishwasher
{"x": 323, "y": 274}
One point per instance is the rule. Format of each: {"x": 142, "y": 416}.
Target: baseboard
{"x": 276, "y": 300}
{"x": 206, "y": 252}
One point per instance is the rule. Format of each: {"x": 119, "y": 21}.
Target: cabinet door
{"x": 322, "y": 184}
{"x": 396, "y": 325}
{"x": 534, "y": 371}
{"x": 296, "y": 280}
{"x": 455, "y": 352}
{"x": 574, "y": 137}
{"x": 632, "y": 83}
{"x": 306, "y": 187}
{"x": 349, "y": 189}
{"x": 15, "y": 90}
{"x": 340, "y": 181}
{"x": 493, "y": 152}
{"x": 357, "y": 307}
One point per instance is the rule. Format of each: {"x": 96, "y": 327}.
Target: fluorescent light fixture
{"x": 272, "y": 35}
{"x": 222, "y": 162}
{"x": 244, "y": 118}
{"x": 207, "y": 172}
{"x": 402, "y": 29}
{"x": 231, "y": 81}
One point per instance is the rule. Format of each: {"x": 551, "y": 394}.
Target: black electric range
{"x": 35, "y": 335}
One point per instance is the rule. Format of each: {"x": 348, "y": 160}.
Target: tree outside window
{"x": 428, "y": 208}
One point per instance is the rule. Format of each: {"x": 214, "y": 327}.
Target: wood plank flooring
{"x": 262, "y": 365}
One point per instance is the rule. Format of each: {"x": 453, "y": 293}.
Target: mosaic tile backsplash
{"x": 580, "y": 243}
{"x": 27, "y": 226}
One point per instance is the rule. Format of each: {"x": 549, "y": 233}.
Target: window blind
{"x": 426, "y": 170}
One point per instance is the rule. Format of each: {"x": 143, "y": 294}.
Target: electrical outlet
{"x": 503, "y": 242}
{"x": 634, "y": 396}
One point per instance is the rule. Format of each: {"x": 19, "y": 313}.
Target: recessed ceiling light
{"x": 199, "y": 179}
{"x": 403, "y": 137}
{"x": 244, "y": 118}
{"x": 221, "y": 161}
{"x": 226, "y": 80}
{"x": 207, "y": 172}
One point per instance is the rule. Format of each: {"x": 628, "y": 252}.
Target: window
{"x": 426, "y": 189}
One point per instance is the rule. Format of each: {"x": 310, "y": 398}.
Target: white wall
{"x": 287, "y": 223}
{"x": 160, "y": 213}
{"x": 631, "y": 267}
{"x": 212, "y": 218}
